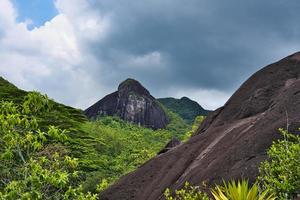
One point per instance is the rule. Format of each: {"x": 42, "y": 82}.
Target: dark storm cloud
{"x": 203, "y": 49}
{"x": 204, "y": 43}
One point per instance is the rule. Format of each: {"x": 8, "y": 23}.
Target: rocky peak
{"x": 132, "y": 102}
{"x": 132, "y": 86}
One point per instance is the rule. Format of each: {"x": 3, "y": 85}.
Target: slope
{"x": 107, "y": 148}
{"x": 230, "y": 143}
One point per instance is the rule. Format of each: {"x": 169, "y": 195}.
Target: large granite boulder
{"x": 231, "y": 142}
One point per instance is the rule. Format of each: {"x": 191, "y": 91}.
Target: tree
{"x": 34, "y": 163}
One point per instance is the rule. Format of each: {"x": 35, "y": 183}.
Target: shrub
{"x": 281, "y": 173}
{"x": 27, "y": 169}
{"x": 240, "y": 191}
{"x": 198, "y": 121}
{"x": 188, "y": 192}
{"x": 232, "y": 190}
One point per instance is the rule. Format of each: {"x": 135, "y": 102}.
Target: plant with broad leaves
{"x": 28, "y": 170}
{"x": 281, "y": 173}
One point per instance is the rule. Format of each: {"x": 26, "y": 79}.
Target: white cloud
{"x": 7, "y": 14}
{"x": 49, "y": 58}
{"x": 87, "y": 22}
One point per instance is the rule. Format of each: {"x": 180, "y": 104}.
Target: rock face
{"x": 230, "y": 143}
{"x": 185, "y": 107}
{"x": 170, "y": 145}
{"x": 132, "y": 102}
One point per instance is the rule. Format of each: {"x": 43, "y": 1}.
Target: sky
{"x": 78, "y": 51}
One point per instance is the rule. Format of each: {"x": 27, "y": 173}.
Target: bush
{"x": 232, "y": 190}
{"x": 30, "y": 166}
{"x": 240, "y": 191}
{"x": 188, "y": 192}
{"x": 281, "y": 173}
{"x": 197, "y": 122}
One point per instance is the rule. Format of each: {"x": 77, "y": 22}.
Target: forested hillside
{"x": 186, "y": 108}
{"x": 106, "y": 148}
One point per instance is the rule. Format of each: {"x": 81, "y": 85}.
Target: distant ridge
{"x": 131, "y": 102}
{"x": 185, "y": 107}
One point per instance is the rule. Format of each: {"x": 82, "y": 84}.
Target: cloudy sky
{"x": 77, "y": 51}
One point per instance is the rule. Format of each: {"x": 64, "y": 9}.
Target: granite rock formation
{"x": 132, "y": 102}
{"x": 170, "y": 145}
{"x": 230, "y": 143}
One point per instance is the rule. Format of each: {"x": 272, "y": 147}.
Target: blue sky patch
{"x": 39, "y": 11}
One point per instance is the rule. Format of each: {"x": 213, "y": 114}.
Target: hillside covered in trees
{"x": 105, "y": 149}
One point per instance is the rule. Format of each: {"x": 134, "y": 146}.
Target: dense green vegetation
{"x": 281, "y": 174}
{"x": 40, "y": 160}
{"x": 106, "y": 148}
{"x": 116, "y": 147}
{"x": 34, "y": 163}
{"x": 184, "y": 107}
{"x": 197, "y": 122}
{"x": 60, "y": 115}
{"x": 9, "y": 92}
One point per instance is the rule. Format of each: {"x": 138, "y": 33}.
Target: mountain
{"x": 106, "y": 148}
{"x": 185, "y": 107}
{"x": 230, "y": 143}
{"x": 131, "y": 102}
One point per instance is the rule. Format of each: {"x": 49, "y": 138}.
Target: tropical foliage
{"x": 105, "y": 149}
{"x": 197, "y": 122}
{"x": 117, "y": 147}
{"x": 240, "y": 190}
{"x": 33, "y": 162}
{"x": 187, "y": 109}
{"x": 188, "y": 192}
{"x": 232, "y": 190}
{"x": 281, "y": 173}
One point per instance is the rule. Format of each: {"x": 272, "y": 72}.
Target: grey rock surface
{"x": 132, "y": 102}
